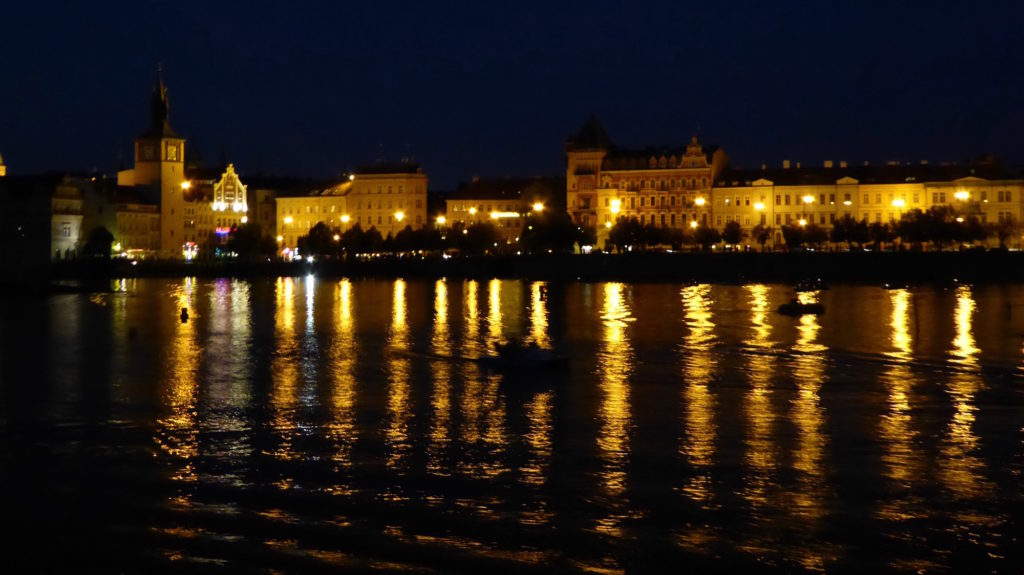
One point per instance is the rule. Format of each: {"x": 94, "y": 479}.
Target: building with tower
{"x": 160, "y": 165}
{"x": 665, "y": 186}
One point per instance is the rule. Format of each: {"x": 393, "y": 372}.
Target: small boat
{"x": 511, "y": 356}
{"x": 796, "y": 308}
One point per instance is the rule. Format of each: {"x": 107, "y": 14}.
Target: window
{"x": 942, "y": 197}
{"x": 746, "y": 200}
{"x": 915, "y": 197}
{"x": 607, "y": 202}
{"x": 878, "y": 198}
{"x": 778, "y": 219}
{"x": 831, "y": 199}
{"x": 821, "y": 199}
{"x": 787, "y": 199}
{"x": 778, "y": 199}
{"x": 65, "y": 230}
{"x": 867, "y": 199}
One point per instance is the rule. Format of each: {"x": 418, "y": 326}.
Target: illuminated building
{"x": 777, "y": 197}
{"x": 3, "y": 168}
{"x": 386, "y": 197}
{"x": 659, "y": 186}
{"x": 160, "y": 163}
{"x": 505, "y": 202}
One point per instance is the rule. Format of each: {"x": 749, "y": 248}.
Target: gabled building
{"x": 666, "y": 186}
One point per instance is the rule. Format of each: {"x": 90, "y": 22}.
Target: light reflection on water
{"x": 328, "y": 411}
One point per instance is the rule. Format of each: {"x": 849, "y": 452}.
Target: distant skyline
{"x": 316, "y": 88}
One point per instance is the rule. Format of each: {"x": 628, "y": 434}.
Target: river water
{"x": 304, "y": 424}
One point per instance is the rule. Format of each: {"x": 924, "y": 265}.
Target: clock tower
{"x": 160, "y": 163}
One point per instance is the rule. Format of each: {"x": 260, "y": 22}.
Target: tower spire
{"x": 159, "y": 126}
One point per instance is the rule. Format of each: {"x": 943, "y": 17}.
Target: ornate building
{"x": 659, "y": 186}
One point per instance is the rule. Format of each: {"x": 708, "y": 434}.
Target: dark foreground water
{"x": 298, "y": 425}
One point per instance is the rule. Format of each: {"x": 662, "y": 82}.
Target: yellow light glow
{"x": 337, "y": 237}
{"x": 962, "y": 195}
{"x": 345, "y": 218}
{"x": 693, "y": 225}
{"x": 186, "y": 185}
{"x": 759, "y": 206}
{"x": 538, "y": 207}
{"x": 441, "y": 220}
{"x": 699, "y": 201}
{"x": 616, "y": 206}
{"x": 472, "y": 211}
{"x": 608, "y": 224}
{"x": 245, "y": 219}
{"x": 847, "y": 202}
{"x": 898, "y": 203}
{"x": 959, "y": 220}
{"x": 288, "y": 219}
{"x": 117, "y": 247}
{"x": 399, "y": 216}
{"x": 352, "y": 177}
{"x": 280, "y": 239}
{"x": 803, "y": 222}
{"x": 808, "y": 199}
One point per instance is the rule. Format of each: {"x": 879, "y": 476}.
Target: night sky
{"x": 492, "y": 89}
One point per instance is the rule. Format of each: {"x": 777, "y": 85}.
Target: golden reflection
{"x": 809, "y": 418}
{"x": 762, "y": 452}
{"x": 539, "y": 442}
{"x": 539, "y": 314}
{"x": 178, "y": 430}
{"x": 494, "y": 312}
{"x": 472, "y": 318}
{"x": 285, "y": 372}
{"x": 342, "y": 426}
{"x": 698, "y": 446}
{"x": 399, "y": 406}
{"x": 615, "y": 364}
{"x": 961, "y": 472}
{"x": 440, "y": 401}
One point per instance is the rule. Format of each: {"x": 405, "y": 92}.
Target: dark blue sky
{"x": 480, "y": 88}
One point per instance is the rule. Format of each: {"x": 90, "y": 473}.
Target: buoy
{"x": 184, "y": 314}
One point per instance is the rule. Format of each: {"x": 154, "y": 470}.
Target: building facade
{"x": 796, "y": 195}
{"x": 660, "y": 186}
{"x": 505, "y": 202}
{"x": 385, "y": 197}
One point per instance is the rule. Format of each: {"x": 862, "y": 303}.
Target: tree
{"x": 814, "y": 235}
{"x": 98, "y": 243}
{"x": 1004, "y": 230}
{"x": 479, "y": 238}
{"x": 586, "y": 236}
{"x": 733, "y": 233}
{"x": 248, "y": 241}
{"x": 880, "y": 234}
{"x": 706, "y": 237}
{"x": 319, "y": 241}
{"x": 793, "y": 235}
{"x": 352, "y": 240}
{"x": 625, "y": 233}
{"x": 761, "y": 234}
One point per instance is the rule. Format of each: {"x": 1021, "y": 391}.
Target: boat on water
{"x": 512, "y": 356}
{"x": 796, "y": 308}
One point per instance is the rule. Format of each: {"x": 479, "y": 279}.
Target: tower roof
{"x": 591, "y": 136}
{"x": 159, "y": 126}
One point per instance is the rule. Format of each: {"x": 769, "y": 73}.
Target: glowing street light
{"x": 538, "y": 207}
{"x": 699, "y": 201}
{"x": 345, "y": 218}
{"x": 351, "y": 177}
{"x": 337, "y": 237}
{"x": 808, "y": 199}
{"x": 472, "y": 211}
{"x": 399, "y": 216}
{"x": 802, "y": 222}
{"x": 608, "y": 225}
{"x": 759, "y": 206}
{"x": 959, "y": 219}
{"x": 494, "y": 215}
{"x": 962, "y": 195}
{"x": 441, "y": 220}
{"x": 693, "y": 224}
{"x": 245, "y": 219}
{"x": 280, "y": 239}
{"x": 186, "y": 185}
{"x": 288, "y": 219}
{"x": 616, "y": 206}
{"x": 898, "y": 203}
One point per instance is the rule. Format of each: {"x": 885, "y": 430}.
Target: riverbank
{"x": 854, "y": 267}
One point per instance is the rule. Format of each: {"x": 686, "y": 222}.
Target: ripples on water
{"x": 304, "y": 423}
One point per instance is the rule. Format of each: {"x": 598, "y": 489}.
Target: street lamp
{"x": 472, "y": 211}
{"x": 288, "y": 219}
{"x": 608, "y": 225}
{"x": 802, "y": 222}
{"x": 962, "y": 195}
{"x": 399, "y": 216}
{"x": 693, "y": 224}
{"x": 280, "y": 239}
{"x": 808, "y": 200}
{"x": 699, "y": 201}
{"x": 538, "y": 207}
{"x": 186, "y": 185}
{"x": 759, "y": 208}
{"x": 345, "y": 218}
{"x": 616, "y": 206}
{"x": 337, "y": 237}
{"x": 441, "y": 220}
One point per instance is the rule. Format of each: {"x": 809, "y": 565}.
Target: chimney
{"x": 785, "y": 164}
{"x": 828, "y": 163}
{"x": 842, "y": 163}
